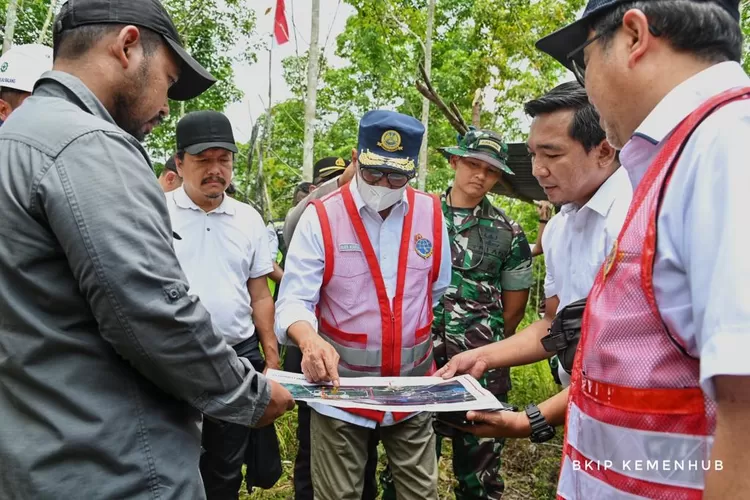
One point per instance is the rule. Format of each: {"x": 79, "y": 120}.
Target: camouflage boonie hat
{"x": 483, "y": 145}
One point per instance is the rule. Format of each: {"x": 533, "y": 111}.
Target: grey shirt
{"x": 293, "y": 216}
{"x": 105, "y": 361}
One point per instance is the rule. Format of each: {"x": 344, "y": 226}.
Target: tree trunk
{"x": 262, "y": 191}
{"x": 426, "y": 102}
{"x": 476, "y": 109}
{"x": 313, "y": 68}
{"x": 10, "y": 25}
{"x": 47, "y": 22}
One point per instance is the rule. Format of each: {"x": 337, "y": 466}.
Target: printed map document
{"x": 394, "y": 394}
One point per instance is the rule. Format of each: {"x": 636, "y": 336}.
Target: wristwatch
{"x": 541, "y": 431}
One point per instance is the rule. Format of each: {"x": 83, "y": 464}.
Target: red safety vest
{"x": 638, "y": 423}
{"x": 373, "y": 336}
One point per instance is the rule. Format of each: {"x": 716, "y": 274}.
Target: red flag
{"x": 280, "y": 27}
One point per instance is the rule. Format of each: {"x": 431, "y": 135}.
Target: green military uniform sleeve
{"x": 516, "y": 273}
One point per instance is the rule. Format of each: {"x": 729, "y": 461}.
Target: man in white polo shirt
{"x": 222, "y": 247}
{"x": 20, "y": 68}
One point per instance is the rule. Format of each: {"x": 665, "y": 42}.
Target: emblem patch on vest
{"x": 422, "y": 246}
{"x": 349, "y": 247}
{"x": 610, "y": 262}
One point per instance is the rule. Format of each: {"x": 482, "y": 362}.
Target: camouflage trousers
{"x": 476, "y": 466}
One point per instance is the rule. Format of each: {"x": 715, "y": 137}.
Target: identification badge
{"x": 350, "y": 247}
{"x": 610, "y": 262}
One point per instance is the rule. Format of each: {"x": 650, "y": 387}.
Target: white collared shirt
{"x": 702, "y": 271}
{"x": 219, "y": 252}
{"x": 305, "y": 263}
{"x": 577, "y": 241}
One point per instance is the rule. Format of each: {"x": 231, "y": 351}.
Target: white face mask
{"x": 378, "y": 198}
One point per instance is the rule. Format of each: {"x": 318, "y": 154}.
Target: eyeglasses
{"x": 576, "y": 59}
{"x": 578, "y": 65}
{"x": 373, "y": 176}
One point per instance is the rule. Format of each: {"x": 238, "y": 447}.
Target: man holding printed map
{"x": 364, "y": 270}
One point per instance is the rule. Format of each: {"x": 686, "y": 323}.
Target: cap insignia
{"x": 391, "y": 141}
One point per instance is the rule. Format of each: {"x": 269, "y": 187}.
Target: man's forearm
{"x": 300, "y": 332}
{"x": 512, "y": 320}
{"x": 523, "y": 348}
{"x": 263, "y": 313}
{"x": 555, "y": 408}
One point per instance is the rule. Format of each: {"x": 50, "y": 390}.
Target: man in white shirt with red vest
{"x": 578, "y": 169}
{"x": 661, "y": 374}
{"x": 364, "y": 270}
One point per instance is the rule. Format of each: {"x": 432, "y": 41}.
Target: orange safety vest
{"x": 638, "y": 423}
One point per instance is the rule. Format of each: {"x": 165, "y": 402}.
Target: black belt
{"x": 247, "y": 344}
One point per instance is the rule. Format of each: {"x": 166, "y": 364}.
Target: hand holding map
{"x": 393, "y": 394}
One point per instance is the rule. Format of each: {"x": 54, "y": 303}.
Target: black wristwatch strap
{"x": 541, "y": 431}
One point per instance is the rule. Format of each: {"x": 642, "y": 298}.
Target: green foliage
{"x": 217, "y": 34}
{"x": 30, "y": 20}
{"x": 477, "y": 44}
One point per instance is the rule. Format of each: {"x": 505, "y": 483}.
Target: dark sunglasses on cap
{"x": 576, "y": 59}
{"x": 373, "y": 176}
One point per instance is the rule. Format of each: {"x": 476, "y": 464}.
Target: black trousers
{"x": 303, "y": 488}
{"x": 224, "y": 443}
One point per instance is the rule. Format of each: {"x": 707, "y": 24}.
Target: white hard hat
{"x": 22, "y": 66}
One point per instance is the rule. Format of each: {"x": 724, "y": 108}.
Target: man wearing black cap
{"x": 106, "y": 362}
{"x": 169, "y": 179}
{"x": 660, "y": 376}
{"x": 224, "y": 252}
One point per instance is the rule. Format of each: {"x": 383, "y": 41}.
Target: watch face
{"x": 543, "y": 435}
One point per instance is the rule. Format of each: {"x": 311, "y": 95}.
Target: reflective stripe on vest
{"x": 635, "y": 392}
{"x": 371, "y": 360}
{"x": 640, "y": 454}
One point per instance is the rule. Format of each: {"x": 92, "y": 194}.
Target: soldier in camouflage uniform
{"x": 488, "y": 293}
{"x": 487, "y": 296}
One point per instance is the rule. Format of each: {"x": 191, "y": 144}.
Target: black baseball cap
{"x": 149, "y": 14}
{"x": 564, "y": 41}
{"x": 202, "y": 130}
